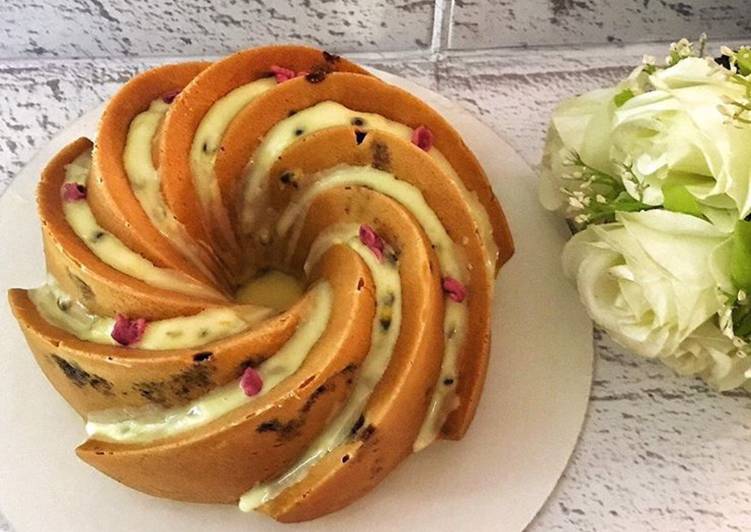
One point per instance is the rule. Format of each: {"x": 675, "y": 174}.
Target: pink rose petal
{"x": 422, "y": 137}
{"x": 454, "y": 289}
{"x": 370, "y": 238}
{"x": 282, "y": 74}
{"x": 170, "y": 96}
{"x": 127, "y": 331}
{"x": 73, "y": 192}
{"x": 251, "y": 382}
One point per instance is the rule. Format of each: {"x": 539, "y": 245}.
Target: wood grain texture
{"x": 501, "y": 23}
{"x": 658, "y": 452}
{"x": 117, "y": 28}
{"x": 114, "y": 28}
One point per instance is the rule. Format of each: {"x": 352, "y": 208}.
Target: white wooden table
{"x": 657, "y": 452}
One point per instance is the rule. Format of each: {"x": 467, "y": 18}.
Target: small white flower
{"x": 600, "y": 199}
{"x": 581, "y": 218}
{"x": 726, "y": 321}
{"x": 574, "y": 203}
{"x": 648, "y": 60}
{"x": 683, "y": 48}
{"x": 738, "y": 342}
{"x": 742, "y": 295}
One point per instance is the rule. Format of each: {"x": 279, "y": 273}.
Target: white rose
{"x": 582, "y": 125}
{"x": 650, "y": 278}
{"x": 576, "y": 126}
{"x": 677, "y": 135}
{"x": 712, "y": 356}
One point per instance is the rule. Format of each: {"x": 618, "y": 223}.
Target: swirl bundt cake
{"x": 269, "y": 281}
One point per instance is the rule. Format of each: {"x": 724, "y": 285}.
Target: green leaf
{"x": 743, "y": 59}
{"x": 679, "y": 199}
{"x": 742, "y": 321}
{"x": 740, "y": 256}
{"x": 622, "y": 97}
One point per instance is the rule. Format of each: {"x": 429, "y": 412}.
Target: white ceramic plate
{"x": 497, "y": 478}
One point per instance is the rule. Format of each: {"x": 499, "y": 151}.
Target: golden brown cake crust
{"x": 95, "y": 377}
{"x": 103, "y": 289}
{"x": 187, "y": 112}
{"x": 218, "y": 460}
{"x": 112, "y": 199}
{"x": 328, "y": 148}
{"x": 360, "y": 93}
{"x": 397, "y": 408}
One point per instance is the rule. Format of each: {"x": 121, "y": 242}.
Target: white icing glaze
{"x": 148, "y": 424}
{"x": 455, "y": 317}
{"x": 331, "y": 114}
{"x": 388, "y": 306}
{"x": 145, "y": 182}
{"x": 59, "y": 309}
{"x": 111, "y": 250}
{"x": 209, "y": 135}
{"x": 199, "y": 329}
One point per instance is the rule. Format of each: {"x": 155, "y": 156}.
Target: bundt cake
{"x": 269, "y": 281}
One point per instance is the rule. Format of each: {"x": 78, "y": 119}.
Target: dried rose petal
{"x": 454, "y": 289}
{"x": 370, "y": 238}
{"x": 422, "y": 137}
{"x": 251, "y": 382}
{"x": 127, "y": 331}
{"x": 73, "y": 191}
{"x": 282, "y": 74}
{"x": 170, "y": 96}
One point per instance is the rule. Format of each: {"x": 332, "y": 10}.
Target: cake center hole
{"x": 272, "y": 288}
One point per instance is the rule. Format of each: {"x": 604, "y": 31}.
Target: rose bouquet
{"x": 654, "y": 177}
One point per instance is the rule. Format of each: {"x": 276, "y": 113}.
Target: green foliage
{"x": 740, "y": 256}
{"x": 679, "y": 199}
{"x": 622, "y": 97}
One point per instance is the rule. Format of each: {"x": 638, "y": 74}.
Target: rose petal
{"x": 422, "y": 137}
{"x": 282, "y": 74}
{"x": 170, "y": 96}
{"x": 251, "y": 382}
{"x": 127, "y": 331}
{"x": 454, "y": 289}
{"x": 73, "y": 191}
{"x": 372, "y": 240}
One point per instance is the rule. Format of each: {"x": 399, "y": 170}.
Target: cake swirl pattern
{"x": 270, "y": 281}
